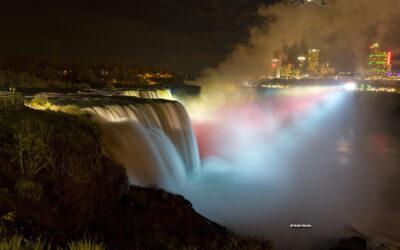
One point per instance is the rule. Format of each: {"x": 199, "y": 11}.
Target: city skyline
{"x": 379, "y": 67}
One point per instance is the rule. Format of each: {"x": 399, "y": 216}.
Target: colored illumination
{"x": 375, "y": 45}
{"x": 378, "y": 61}
{"x": 389, "y": 58}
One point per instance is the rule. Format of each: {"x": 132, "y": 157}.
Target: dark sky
{"x": 183, "y": 35}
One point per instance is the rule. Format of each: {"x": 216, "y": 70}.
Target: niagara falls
{"x": 200, "y": 125}
{"x": 265, "y": 159}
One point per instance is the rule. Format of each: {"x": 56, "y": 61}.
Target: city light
{"x": 350, "y": 86}
{"x": 310, "y": 67}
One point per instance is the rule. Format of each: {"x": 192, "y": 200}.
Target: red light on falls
{"x": 389, "y": 58}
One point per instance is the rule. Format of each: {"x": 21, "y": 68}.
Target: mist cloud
{"x": 341, "y": 29}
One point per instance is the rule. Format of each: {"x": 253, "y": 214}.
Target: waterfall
{"x": 154, "y": 141}
{"x": 150, "y": 94}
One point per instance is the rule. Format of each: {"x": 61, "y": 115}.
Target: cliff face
{"x": 150, "y": 218}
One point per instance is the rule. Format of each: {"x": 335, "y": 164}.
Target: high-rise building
{"x": 313, "y": 62}
{"x": 287, "y": 71}
{"x": 327, "y": 71}
{"x": 379, "y": 61}
{"x": 301, "y": 61}
{"x": 276, "y": 68}
{"x": 389, "y": 62}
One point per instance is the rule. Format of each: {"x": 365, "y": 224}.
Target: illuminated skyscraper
{"x": 301, "y": 60}
{"x": 313, "y": 62}
{"x": 389, "y": 62}
{"x": 288, "y": 71}
{"x": 276, "y": 68}
{"x": 379, "y": 61}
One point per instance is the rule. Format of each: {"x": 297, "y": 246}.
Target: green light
{"x": 383, "y": 55}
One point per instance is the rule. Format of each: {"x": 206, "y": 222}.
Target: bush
{"x": 31, "y": 147}
{"x": 71, "y": 109}
{"x": 39, "y": 100}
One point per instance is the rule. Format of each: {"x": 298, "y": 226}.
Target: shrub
{"x": 40, "y": 100}
{"x": 32, "y": 150}
{"x": 71, "y": 109}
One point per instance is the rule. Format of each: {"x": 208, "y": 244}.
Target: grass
{"x": 17, "y": 242}
{"x": 10, "y": 241}
{"x": 85, "y": 244}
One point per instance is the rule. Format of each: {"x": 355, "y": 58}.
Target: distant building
{"x": 288, "y": 71}
{"x": 301, "y": 60}
{"x": 379, "y": 61}
{"x": 327, "y": 71}
{"x": 313, "y": 62}
{"x": 389, "y": 62}
{"x": 276, "y": 68}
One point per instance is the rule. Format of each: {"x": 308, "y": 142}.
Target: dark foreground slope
{"x": 57, "y": 186}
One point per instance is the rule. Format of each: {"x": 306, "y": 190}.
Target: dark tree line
{"x": 34, "y": 73}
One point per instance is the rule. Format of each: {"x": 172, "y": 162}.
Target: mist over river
{"x": 329, "y": 159}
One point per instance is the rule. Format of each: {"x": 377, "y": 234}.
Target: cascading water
{"x": 154, "y": 141}
{"x": 150, "y": 94}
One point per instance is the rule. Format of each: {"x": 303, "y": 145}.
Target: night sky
{"x": 182, "y": 35}
{"x": 185, "y": 36}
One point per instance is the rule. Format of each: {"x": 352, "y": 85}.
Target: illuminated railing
{"x": 8, "y": 99}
